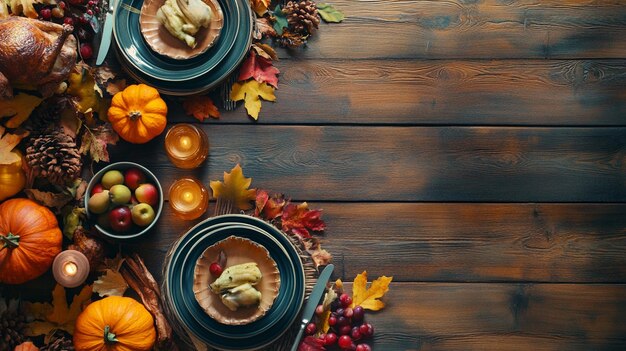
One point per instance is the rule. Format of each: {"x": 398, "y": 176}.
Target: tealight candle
{"x": 189, "y": 199}
{"x": 70, "y": 268}
{"x": 186, "y": 145}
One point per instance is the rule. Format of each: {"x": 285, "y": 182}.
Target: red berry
{"x": 86, "y": 52}
{"x": 348, "y": 312}
{"x": 345, "y": 330}
{"x": 68, "y": 20}
{"x": 341, "y": 321}
{"x": 355, "y": 333}
{"x": 363, "y": 347}
{"x": 358, "y": 315}
{"x": 319, "y": 310}
{"x": 332, "y": 320}
{"x": 345, "y": 342}
{"x": 330, "y": 339}
{"x": 363, "y": 329}
{"x": 311, "y": 328}
{"x": 215, "y": 269}
{"x": 90, "y": 12}
{"x": 61, "y": 5}
{"x": 46, "y": 13}
{"x": 345, "y": 300}
{"x": 367, "y": 330}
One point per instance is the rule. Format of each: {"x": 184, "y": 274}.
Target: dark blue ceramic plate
{"x": 180, "y": 269}
{"x": 285, "y": 295}
{"x": 136, "y": 51}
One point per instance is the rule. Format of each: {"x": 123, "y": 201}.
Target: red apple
{"x": 142, "y": 214}
{"x": 133, "y": 200}
{"x": 147, "y": 193}
{"x": 98, "y": 188}
{"x": 120, "y": 219}
{"x": 133, "y": 177}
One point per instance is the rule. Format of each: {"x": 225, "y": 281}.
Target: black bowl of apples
{"x": 124, "y": 200}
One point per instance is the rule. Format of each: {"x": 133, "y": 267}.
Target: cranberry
{"x": 46, "y": 13}
{"x": 86, "y": 51}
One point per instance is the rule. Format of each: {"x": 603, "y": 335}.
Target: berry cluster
{"x": 348, "y": 328}
{"x": 78, "y": 13}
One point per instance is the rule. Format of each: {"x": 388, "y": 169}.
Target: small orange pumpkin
{"x": 30, "y": 238}
{"x": 138, "y": 114}
{"x": 114, "y": 324}
{"x": 26, "y": 346}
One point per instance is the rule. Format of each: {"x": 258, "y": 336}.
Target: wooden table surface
{"x": 474, "y": 150}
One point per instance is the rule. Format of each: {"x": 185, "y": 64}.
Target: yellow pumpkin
{"x": 26, "y": 346}
{"x": 114, "y": 324}
{"x": 12, "y": 178}
{"x": 138, "y": 114}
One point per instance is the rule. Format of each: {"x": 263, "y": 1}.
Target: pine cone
{"x": 47, "y": 114}
{"x": 54, "y": 155}
{"x": 12, "y": 328}
{"x": 60, "y": 341}
{"x": 302, "y": 16}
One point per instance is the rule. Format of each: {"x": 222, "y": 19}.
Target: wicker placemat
{"x": 187, "y": 342}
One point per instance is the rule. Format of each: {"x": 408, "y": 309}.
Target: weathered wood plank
{"x": 412, "y": 163}
{"x": 501, "y": 317}
{"x": 459, "y": 242}
{"x": 443, "y": 92}
{"x": 472, "y": 29}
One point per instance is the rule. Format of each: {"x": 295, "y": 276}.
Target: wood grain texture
{"x": 412, "y": 163}
{"x": 472, "y": 29}
{"x": 520, "y": 317}
{"x": 459, "y": 242}
{"x": 410, "y": 92}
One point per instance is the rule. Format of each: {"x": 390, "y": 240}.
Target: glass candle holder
{"x": 186, "y": 145}
{"x": 70, "y": 268}
{"x": 189, "y": 199}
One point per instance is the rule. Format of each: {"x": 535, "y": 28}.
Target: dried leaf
{"x": 265, "y": 51}
{"x": 104, "y": 74}
{"x": 329, "y": 13}
{"x": 298, "y": 219}
{"x": 201, "y": 107}
{"x": 70, "y": 122}
{"x": 269, "y": 208}
{"x": 8, "y": 142}
{"x": 110, "y": 283}
{"x": 369, "y": 298}
{"x": 72, "y": 219}
{"x": 49, "y": 199}
{"x": 116, "y": 86}
{"x": 280, "y": 20}
{"x": 24, "y": 7}
{"x": 259, "y": 68}
{"x": 329, "y": 297}
{"x": 58, "y": 315}
{"x": 311, "y": 343}
{"x": 252, "y": 91}
{"x": 94, "y": 142}
{"x": 260, "y": 6}
{"x": 18, "y": 108}
{"x": 83, "y": 87}
{"x": 235, "y": 189}
{"x": 264, "y": 27}
{"x": 112, "y": 263}
{"x": 320, "y": 256}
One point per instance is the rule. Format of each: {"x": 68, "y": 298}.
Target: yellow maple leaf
{"x": 18, "y": 108}
{"x": 369, "y": 298}
{"x": 235, "y": 189}
{"x": 252, "y": 91}
{"x": 83, "y": 87}
{"x": 110, "y": 283}
{"x": 260, "y": 6}
{"x": 8, "y": 142}
{"x": 57, "y": 315}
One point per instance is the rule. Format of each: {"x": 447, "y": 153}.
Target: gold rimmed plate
{"x": 164, "y": 43}
{"x": 238, "y": 250}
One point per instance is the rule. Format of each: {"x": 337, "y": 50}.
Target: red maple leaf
{"x": 269, "y": 207}
{"x": 298, "y": 219}
{"x": 259, "y": 68}
{"x": 311, "y": 343}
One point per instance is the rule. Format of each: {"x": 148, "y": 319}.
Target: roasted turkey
{"x": 35, "y": 54}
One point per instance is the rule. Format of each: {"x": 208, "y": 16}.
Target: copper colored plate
{"x": 238, "y": 250}
{"x": 164, "y": 43}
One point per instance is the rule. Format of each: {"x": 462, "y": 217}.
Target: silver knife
{"x": 314, "y": 299}
{"x": 107, "y": 31}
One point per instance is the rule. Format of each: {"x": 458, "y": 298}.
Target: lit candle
{"x": 189, "y": 199}
{"x": 70, "y": 268}
{"x": 186, "y": 145}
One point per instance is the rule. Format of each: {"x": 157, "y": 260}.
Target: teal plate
{"x": 273, "y": 324}
{"x": 127, "y": 33}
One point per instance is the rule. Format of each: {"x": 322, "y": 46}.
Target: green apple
{"x": 111, "y": 178}
{"x": 143, "y": 214}
{"x": 120, "y": 194}
{"x": 99, "y": 203}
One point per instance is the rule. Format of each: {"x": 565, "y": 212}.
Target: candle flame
{"x": 70, "y": 269}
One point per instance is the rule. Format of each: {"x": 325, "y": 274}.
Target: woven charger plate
{"x": 238, "y": 250}
{"x": 164, "y": 43}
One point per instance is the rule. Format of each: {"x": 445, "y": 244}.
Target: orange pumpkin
{"x": 114, "y": 324}
{"x": 138, "y": 114}
{"x": 26, "y": 346}
{"x": 30, "y": 238}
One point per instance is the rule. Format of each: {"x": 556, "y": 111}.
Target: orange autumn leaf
{"x": 8, "y": 142}
{"x": 201, "y": 107}
{"x": 235, "y": 189}
{"x": 369, "y": 298}
{"x": 260, "y": 6}
{"x": 58, "y": 315}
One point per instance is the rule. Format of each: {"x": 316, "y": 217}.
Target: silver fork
{"x": 228, "y": 103}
